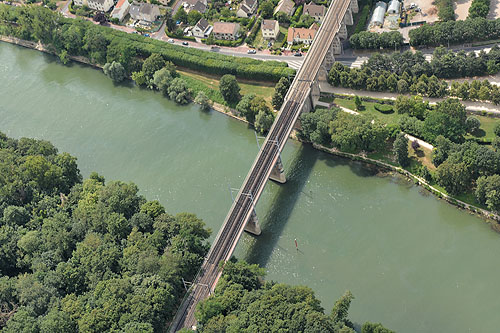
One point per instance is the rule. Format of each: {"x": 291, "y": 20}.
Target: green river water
{"x": 414, "y": 263}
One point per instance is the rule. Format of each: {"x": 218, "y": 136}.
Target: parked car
{"x": 170, "y": 40}
{"x": 147, "y": 35}
{"x": 251, "y": 51}
{"x": 185, "y": 43}
{"x": 215, "y": 49}
{"x": 134, "y": 32}
{"x": 298, "y": 54}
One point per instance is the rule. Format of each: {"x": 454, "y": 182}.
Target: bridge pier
{"x": 253, "y": 225}
{"x": 278, "y": 172}
{"x": 348, "y": 17}
{"x": 354, "y": 6}
{"x": 342, "y": 31}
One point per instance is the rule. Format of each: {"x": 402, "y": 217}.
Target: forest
{"x": 86, "y": 255}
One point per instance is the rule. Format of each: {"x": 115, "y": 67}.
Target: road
{"x": 253, "y": 185}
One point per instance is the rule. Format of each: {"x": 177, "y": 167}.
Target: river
{"x": 414, "y": 263}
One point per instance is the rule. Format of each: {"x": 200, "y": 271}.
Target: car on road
{"x": 134, "y": 32}
{"x": 170, "y": 40}
{"x": 215, "y": 49}
{"x": 298, "y": 54}
{"x": 251, "y": 51}
{"x": 185, "y": 43}
{"x": 146, "y": 35}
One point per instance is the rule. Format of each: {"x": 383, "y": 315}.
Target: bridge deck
{"x": 234, "y": 224}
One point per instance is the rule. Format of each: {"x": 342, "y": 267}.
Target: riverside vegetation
{"x": 95, "y": 256}
{"x": 460, "y": 165}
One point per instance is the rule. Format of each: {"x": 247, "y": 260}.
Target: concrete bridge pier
{"x": 278, "y": 172}
{"x": 253, "y": 225}
{"x": 354, "y": 6}
{"x": 348, "y": 19}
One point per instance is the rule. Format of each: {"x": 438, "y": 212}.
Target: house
{"x": 102, "y": 5}
{"x": 189, "y": 5}
{"x": 80, "y": 2}
{"x": 202, "y": 29}
{"x": 270, "y": 29}
{"x": 226, "y": 30}
{"x": 302, "y": 35}
{"x": 121, "y": 10}
{"x": 247, "y": 8}
{"x": 316, "y": 11}
{"x": 144, "y": 12}
{"x": 285, "y": 6}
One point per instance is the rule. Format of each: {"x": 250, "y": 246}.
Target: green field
{"x": 486, "y": 130}
{"x": 368, "y": 108}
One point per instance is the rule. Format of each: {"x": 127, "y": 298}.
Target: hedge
{"x": 384, "y": 108}
{"x": 363, "y": 18}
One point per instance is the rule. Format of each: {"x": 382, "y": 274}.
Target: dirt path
{"x": 461, "y": 8}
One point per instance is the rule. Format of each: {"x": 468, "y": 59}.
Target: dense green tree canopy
{"x": 89, "y": 256}
{"x": 229, "y": 88}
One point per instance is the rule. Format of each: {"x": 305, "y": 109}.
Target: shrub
{"x": 383, "y": 108}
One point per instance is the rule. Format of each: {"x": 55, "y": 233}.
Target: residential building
{"x": 144, "y": 11}
{"x": 285, "y": 6}
{"x": 189, "y": 5}
{"x": 226, "y": 30}
{"x": 247, "y": 8}
{"x": 316, "y": 11}
{"x": 270, "y": 29}
{"x": 120, "y": 10}
{"x": 202, "y": 29}
{"x": 102, "y": 5}
{"x": 80, "y": 2}
{"x": 302, "y": 35}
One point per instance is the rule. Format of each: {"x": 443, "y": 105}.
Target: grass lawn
{"x": 206, "y": 83}
{"x": 423, "y": 155}
{"x": 369, "y": 110}
{"x": 486, "y": 129}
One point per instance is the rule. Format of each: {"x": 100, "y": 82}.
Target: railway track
{"x": 234, "y": 224}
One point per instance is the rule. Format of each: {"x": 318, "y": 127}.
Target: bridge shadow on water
{"x": 287, "y": 195}
{"x": 283, "y": 202}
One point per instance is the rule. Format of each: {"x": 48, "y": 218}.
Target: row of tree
{"x": 373, "y": 40}
{"x": 243, "y": 302}
{"x": 86, "y": 257}
{"x": 105, "y": 45}
{"x": 383, "y": 79}
{"x": 455, "y": 32}
{"x": 444, "y": 64}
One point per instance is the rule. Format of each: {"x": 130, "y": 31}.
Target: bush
{"x": 383, "y": 108}
{"x": 363, "y": 19}
{"x": 445, "y": 10}
{"x": 479, "y": 8}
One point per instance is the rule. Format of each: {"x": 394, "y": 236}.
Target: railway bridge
{"x": 301, "y": 96}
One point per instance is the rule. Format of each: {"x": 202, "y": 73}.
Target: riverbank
{"x": 491, "y": 217}
{"x": 233, "y": 114}
{"x": 40, "y": 47}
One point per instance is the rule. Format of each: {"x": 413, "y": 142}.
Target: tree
{"x": 162, "y": 80}
{"x": 472, "y": 124}
{"x": 282, "y": 17}
{"x": 454, "y": 177}
{"x": 115, "y": 71}
{"x": 374, "y": 328}
{"x": 357, "y": 102}
{"x": 202, "y": 99}
{"x": 263, "y": 121}
{"x": 400, "y": 148}
{"x": 152, "y": 64}
{"x": 340, "y": 310}
{"x": 139, "y": 78}
{"x": 496, "y": 129}
{"x": 266, "y": 9}
{"x": 442, "y": 148}
{"x": 315, "y": 125}
{"x": 488, "y": 191}
{"x": 100, "y": 18}
{"x": 280, "y": 91}
{"x": 193, "y": 17}
{"x": 448, "y": 120}
{"x": 353, "y": 133}
{"x": 179, "y": 92}
{"x": 229, "y": 88}
{"x": 181, "y": 16}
